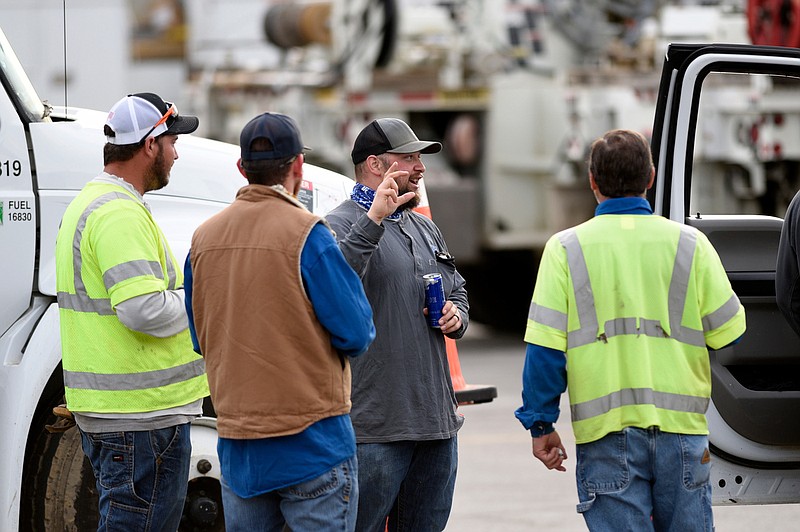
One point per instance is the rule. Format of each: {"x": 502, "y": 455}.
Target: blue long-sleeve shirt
{"x": 336, "y": 293}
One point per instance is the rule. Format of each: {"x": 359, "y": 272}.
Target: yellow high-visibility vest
{"x": 109, "y": 249}
{"x": 634, "y": 300}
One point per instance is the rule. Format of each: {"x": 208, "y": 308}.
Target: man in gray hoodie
{"x": 404, "y": 406}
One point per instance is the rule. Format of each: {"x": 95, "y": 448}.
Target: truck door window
{"x": 747, "y": 146}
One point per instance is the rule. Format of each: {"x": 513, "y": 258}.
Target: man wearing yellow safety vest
{"x": 624, "y": 309}
{"x": 131, "y": 377}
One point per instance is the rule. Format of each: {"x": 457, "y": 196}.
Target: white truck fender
{"x": 30, "y": 352}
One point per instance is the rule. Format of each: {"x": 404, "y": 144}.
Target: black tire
{"x": 71, "y": 492}
{"x": 58, "y": 489}
{"x": 59, "y": 492}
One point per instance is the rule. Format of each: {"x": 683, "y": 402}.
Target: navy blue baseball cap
{"x": 280, "y": 130}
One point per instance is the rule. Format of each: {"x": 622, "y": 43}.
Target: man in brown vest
{"x": 278, "y": 312}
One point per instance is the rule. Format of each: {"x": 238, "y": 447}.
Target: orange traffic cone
{"x": 465, "y": 393}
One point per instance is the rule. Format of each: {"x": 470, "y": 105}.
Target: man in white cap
{"x": 404, "y": 407}
{"x": 131, "y": 377}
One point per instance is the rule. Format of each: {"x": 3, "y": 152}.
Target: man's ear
{"x": 297, "y": 165}
{"x": 295, "y": 178}
{"x": 592, "y": 182}
{"x": 241, "y": 169}
{"x": 375, "y": 165}
{"x": 149, "y": 146}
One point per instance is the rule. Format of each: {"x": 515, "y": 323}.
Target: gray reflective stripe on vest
{"x": 722, "y": 315}
{"x": 134, "y": 381}
{"x": 83, "y": 303}
{"x": 639, "y": 396}
{"x": 629, "y": 326}
{"x": 134, "y": 268}
{"x": 584, "y": 297}
{"x": 678, "y": 286}
{"x": 80, "y": 300}
{"x": 547, "y": 316}
{"x": 587, "y": 313}
{"x": 172, "y": 277}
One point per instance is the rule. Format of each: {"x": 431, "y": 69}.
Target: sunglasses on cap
{"x": 172, "y": 111}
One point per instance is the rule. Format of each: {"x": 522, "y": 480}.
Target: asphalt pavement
{"x": 502, "y": 488}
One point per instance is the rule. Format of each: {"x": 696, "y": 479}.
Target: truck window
{"x": 747, "y": 146}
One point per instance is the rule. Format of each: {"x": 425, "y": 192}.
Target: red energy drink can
{"x": 434, "y": 297}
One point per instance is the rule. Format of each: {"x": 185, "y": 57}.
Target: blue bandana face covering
{"x": 364, "y": 196}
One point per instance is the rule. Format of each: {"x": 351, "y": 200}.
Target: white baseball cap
{"x": 138, "y": 116}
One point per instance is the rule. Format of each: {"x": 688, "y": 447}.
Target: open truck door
{"x": 706, "y": 137}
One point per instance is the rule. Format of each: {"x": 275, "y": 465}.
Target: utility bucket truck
{"x": 515, "y": 89}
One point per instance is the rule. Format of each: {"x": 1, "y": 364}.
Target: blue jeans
{"x": 645, "y": 479}
{"x": 325, "y": 503}
{"x": 142, "y": 477}
{"x": 410, "y": 482}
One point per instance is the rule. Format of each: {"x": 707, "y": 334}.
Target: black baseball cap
{"x": 389, "y": 135}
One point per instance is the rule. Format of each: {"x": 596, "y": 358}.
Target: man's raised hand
{"x": 387, "y": 199}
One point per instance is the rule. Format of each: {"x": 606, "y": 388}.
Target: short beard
{"x": 157, "y": 176}
{"x": 410, "y": 204}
